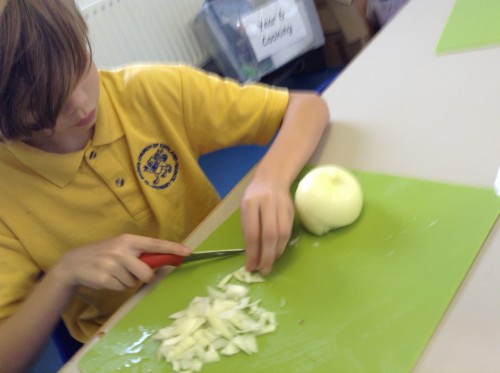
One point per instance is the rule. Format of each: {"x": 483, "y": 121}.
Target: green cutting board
{"x": 364, "y": 298}
{"x": 472, "y": 24}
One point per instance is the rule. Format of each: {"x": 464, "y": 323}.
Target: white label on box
{"x": 274, "y": 27}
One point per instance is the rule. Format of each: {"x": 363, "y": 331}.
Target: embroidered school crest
{"x": 157, "y": 166}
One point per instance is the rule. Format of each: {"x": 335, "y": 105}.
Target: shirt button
{"x": 119, "y": 182}
{"x": 92, "y": 154}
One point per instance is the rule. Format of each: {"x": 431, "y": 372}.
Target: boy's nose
{"x": 76, "y": 100}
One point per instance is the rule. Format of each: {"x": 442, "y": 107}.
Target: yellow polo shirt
{"x": 138, "y": 175}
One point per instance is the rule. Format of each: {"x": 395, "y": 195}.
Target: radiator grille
{"x": 134, "y": 31}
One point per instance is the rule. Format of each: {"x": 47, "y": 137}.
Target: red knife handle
{"x": 159, "y": 260}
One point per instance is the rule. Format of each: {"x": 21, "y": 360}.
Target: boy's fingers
{"x": 153, "y": 245}
{"x": 285, "y": 220}
{"x": 251, "y": 220}
{"x": 269, "y": 238}
{"x": 141, "y": 271}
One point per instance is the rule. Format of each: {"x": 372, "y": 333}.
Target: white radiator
{"x": 127, "y": 31}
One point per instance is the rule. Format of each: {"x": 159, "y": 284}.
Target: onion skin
{"x": 328, "y": 197}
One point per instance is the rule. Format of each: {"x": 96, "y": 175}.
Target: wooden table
{"x": 400, "y": 109}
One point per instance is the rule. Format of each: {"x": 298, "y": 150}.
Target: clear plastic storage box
{"x": 248, "y": 39}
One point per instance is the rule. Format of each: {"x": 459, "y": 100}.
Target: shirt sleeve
{"x": 18, "y": 273}
{"x": 221, "y": 112}
{"x": 208, "y": 112}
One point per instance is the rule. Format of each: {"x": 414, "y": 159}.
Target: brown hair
{"x": 44, "y": 51}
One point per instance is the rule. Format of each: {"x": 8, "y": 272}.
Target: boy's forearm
{"x": 266, "y": 207}
{"x": 24, "y": 334}
{"x": 305, "y": 120}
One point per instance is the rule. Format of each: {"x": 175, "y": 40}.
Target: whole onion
{"x": 328, "y": 197}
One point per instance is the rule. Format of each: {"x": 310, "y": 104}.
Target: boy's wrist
{"x": 61, "y": 277}
{"x": 275, "y": 175}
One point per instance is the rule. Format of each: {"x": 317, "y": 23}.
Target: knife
{"x": 155, "y": 260}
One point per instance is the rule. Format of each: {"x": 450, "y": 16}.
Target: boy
{"x": 99, "y": 167}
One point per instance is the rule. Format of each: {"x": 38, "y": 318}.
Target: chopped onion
{"x": 225, "y": 322}
{"x": 241, "y": 275}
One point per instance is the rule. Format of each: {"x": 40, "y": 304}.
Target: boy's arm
{"x": 23, "y": 335}
{"x": 267, "y": 206}
{"x": 110, "y": 264}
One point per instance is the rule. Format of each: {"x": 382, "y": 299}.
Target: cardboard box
{"x": 379, "y": 12}
{"x": 345, "y": 28}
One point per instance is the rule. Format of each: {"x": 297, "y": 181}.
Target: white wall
{"x": 84, "y": 3}
{"x": 135, "y": 31}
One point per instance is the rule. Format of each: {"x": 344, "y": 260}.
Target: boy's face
{"x": 75, "y": 124}
{"x": 80, "y": 111}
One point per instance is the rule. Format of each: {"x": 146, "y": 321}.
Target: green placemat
{"x": 472, "y": 24}
{"x": 364, "y": 298}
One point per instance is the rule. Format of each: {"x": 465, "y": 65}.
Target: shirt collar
{"x": 57, "y": 168}
{"x": 61, "y": 169}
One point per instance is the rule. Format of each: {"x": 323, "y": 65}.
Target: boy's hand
{"x": 113, "y": 264}
{"x": 267, "y": 214}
